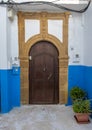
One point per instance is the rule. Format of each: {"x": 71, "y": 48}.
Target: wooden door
{"x": 43, "y": 74}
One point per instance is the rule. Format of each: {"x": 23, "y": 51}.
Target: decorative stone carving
{"x": 61, "y": 47}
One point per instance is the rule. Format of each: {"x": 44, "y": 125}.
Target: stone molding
{"x": 43, "y": 36}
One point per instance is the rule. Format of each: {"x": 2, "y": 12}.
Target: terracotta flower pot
{"x": 82, "y": 117}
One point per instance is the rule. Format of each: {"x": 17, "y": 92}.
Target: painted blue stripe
{"x": 10, "y": 85}
{"x": 0, "y": 91}
{"x": 80, "y": 76}
{"x": 4, "y": 91}
{"x": 88, "y": 81}
{"x": 14, "y": 87}
{"x": 75, "y": 78}
{"x": 10, "y": 89}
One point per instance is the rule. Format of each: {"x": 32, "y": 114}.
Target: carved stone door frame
{"x": 62, "y": 48}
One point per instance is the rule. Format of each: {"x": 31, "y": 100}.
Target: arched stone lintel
{"x": 56, "y": 42}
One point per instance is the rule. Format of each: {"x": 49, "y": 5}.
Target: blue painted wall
{"x": 10, "y": 85}
{"x": 88, "y": 82}
{"x": 10, "y": 89}
{"x": 75, "y": 78}
{"x": 4, "y": 91}
{"x": 80, "y": 76}
{"x": 0, "y": 91}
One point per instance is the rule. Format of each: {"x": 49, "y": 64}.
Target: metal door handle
{"x": 49, "y": 77}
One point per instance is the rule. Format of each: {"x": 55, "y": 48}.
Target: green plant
{"x": 81, "y": 106}
{"x": 77, "y": 93}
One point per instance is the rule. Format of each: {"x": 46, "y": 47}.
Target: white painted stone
{"x": 55, "y": 28}
{"x": 32, "y": 28}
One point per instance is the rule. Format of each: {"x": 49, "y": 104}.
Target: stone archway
{"x": 61, "y": 47}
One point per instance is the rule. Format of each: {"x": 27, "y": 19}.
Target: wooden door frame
{"x": 61, "y": 47}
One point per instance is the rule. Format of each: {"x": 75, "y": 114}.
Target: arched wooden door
{"x": 43, "y": 74}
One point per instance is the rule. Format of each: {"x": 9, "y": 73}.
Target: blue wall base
{"x": 9, "y": 90}
{"x": 10, "y": 85}
{"x": 79, "y": 76}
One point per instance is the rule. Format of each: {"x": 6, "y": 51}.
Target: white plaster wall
{"x": 75, "y": 39}
{"x": 9, "y": 39}
{"x": 14, "y": 45}
{"x": 88, "y": 37}
{"x": 3, "y": 38}
{"x": 12, "y": 41}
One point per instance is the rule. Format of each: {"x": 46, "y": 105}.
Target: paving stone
{"x": 41, "y": 117}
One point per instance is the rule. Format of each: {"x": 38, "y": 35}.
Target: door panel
{"x": 43, "y": 74}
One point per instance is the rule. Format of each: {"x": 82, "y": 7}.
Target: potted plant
{"x": 82, "y": 110}
{"x": 77, "y": 93}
